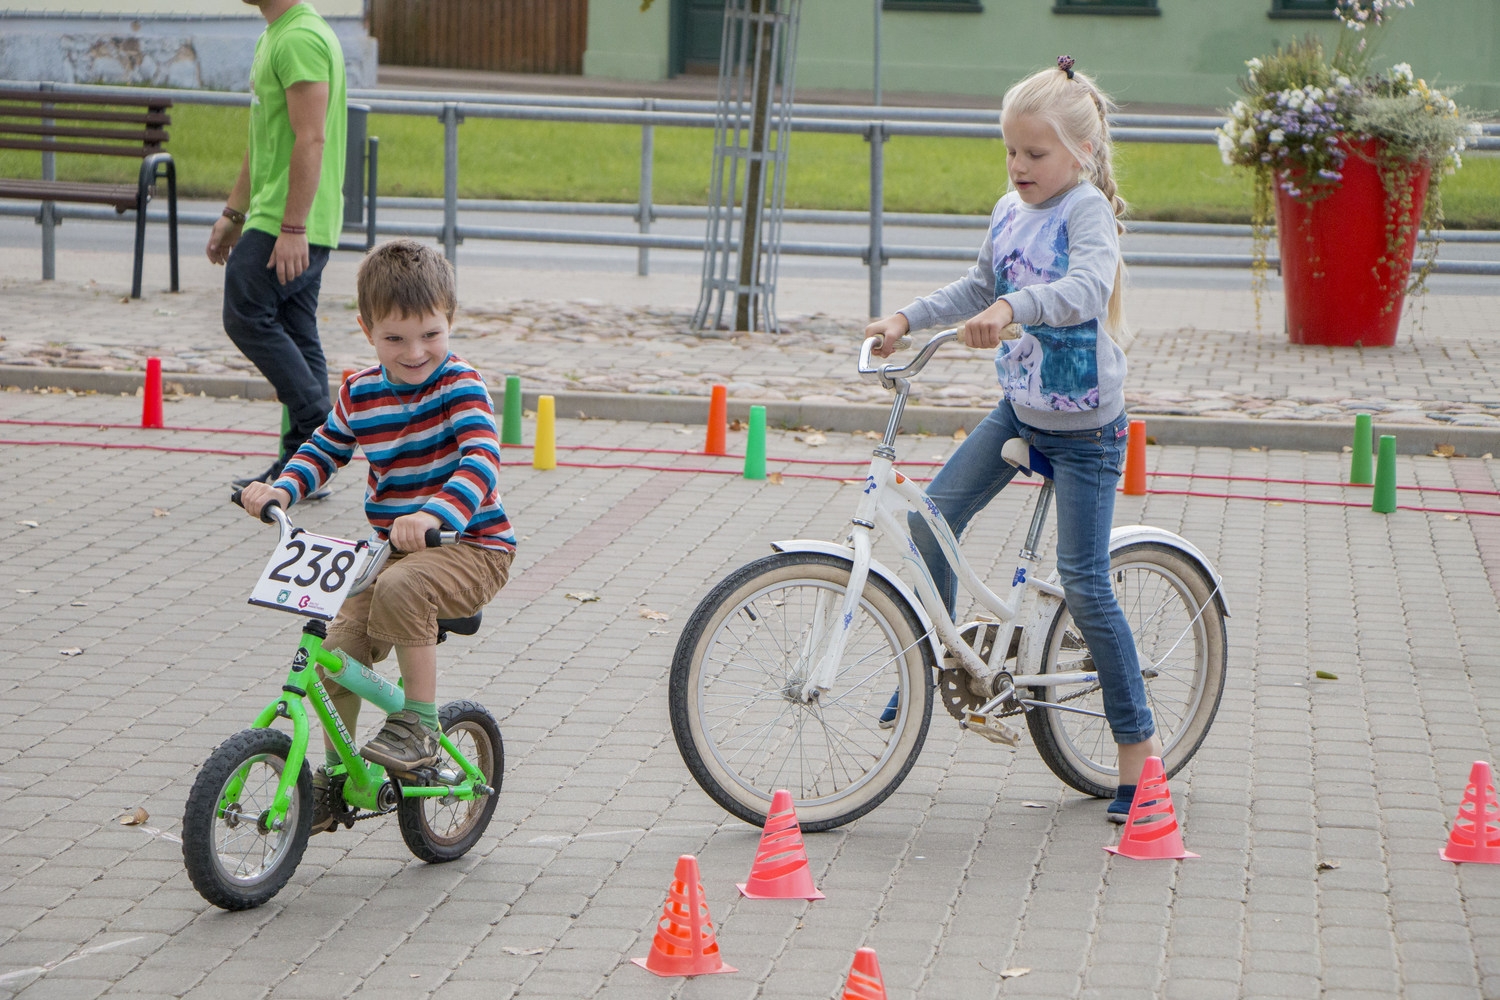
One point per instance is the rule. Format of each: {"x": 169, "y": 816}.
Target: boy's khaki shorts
{"x": 412, "y": 592}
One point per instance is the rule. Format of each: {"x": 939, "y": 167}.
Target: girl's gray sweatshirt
{"x": 1055, "y": 264}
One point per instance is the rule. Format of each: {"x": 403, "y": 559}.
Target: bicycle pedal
{"x": 991, "y": 728}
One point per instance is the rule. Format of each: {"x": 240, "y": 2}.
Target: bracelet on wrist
{"x": 290, "y": 230}
{"x": 236, "y": 217}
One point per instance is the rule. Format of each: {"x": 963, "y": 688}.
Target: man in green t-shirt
{"x": 285, "y": 213}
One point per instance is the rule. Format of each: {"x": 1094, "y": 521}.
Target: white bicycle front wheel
{"x": 735, "y": 693}
{"x": 1178, "y": 626}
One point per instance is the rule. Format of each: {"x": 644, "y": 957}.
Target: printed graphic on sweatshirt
{"x": 1047, "y": 368}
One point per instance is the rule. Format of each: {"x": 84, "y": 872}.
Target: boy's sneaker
{"x": 1119, "y": 807}
{"x": 403, "y": 744}
{"x": 322, "y": 820}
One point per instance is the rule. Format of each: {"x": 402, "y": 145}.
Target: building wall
{"x": 163, "y": 43}
{"x": 1192, "y": 53}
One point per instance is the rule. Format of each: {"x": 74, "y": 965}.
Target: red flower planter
{"x": 1338, "y": 291}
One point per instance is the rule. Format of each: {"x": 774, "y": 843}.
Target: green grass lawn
{"x": 562, "y": 161}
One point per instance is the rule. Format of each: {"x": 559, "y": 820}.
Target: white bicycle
{"x": 784, "y": 675}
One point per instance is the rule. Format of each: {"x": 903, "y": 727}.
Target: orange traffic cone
{"x": 780, "y": 870}
{"x": 685, "y": 944}
{"x": 1151, "y": 832}
{"x": 1475, "y": 836}
{"x": 718, "y": 421}
{"x": 864, "y": 977}
{"x": 1135, "y": 459}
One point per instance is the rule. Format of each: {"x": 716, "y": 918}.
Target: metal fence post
{"x": 450, "y": 119}
{"x": 875, "y": 256}
{"x": 48, "y": 217}
{"x": 643, "y": 215}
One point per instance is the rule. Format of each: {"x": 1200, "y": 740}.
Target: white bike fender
{"x": 876, "y": 569}
{"x": 1128, "y": 534}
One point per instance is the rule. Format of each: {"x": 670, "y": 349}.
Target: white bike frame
{"x": 1029, "y": 604}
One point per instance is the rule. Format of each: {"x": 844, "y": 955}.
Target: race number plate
{"x": 308, "y": 575}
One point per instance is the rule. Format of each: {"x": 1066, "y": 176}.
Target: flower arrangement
{"x": 1305, "y": 113}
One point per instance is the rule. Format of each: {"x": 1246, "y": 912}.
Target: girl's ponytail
{"x": 1078, "y": 112}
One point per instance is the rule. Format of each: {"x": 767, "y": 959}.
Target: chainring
{"x": 954, "y": 682}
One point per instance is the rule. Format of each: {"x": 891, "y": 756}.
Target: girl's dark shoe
{"x": 1119, "y": 806}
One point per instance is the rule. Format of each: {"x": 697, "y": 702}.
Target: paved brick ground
{"x": 952, "y": 880}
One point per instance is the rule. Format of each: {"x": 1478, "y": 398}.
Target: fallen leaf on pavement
{"x": 1327, "y": 866}
{"x": 135, "y": 817}
{"x": 960, "y": 434}
{"x": 158, "y": 512}
{"x": 583, "y": 596}
{"x": 655, "y": 616}
{"x": 1443, "y": 451}
{"x": 813, "y": 439}
{"x": 736, "y": 424}
{"x": 523, "y": 951}
{"x": 1033, "y": 805}
{"x": 1327, "y": 675}
{"x": 774, "y": 478}
{"x": 28, "y": 524}
{"x": 24, "y": 590}
{"x": 71, "y": 651}
{"x": 79, "y": 604}
{"x": 1450, "y": 517}
{"x": 1014, "y": 972}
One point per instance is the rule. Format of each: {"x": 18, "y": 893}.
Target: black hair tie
{"x": 1065, "y": 63}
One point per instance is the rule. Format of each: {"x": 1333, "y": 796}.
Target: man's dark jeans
{"x": 276, "y": 327}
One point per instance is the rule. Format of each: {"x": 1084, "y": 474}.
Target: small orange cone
{"x": 685, "y": 944}
{"x": 864, "y": 977}
{"x": 1135, "y": 460}
{"x": 1151, "y": 832}
{"x": 1475, "y": 836}
{"x": 780, "y": 870}
{"x": 718, "y": 422}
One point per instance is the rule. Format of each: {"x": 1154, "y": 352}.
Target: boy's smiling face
{"x": 410, "y": 348}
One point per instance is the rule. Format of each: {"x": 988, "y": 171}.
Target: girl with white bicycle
{"x": 1046, "y": 290}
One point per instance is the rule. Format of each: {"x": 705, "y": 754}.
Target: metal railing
{"x": 874, "y": 124}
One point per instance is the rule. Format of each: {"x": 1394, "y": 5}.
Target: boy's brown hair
{"x": 405, "y": 278}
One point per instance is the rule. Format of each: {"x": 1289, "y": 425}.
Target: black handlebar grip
{"x": 434, "y": 537}
{"x": 265, "y": 512}
{"x": 234, "y": 498}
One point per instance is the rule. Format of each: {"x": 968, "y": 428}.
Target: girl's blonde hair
{"x": 1076, "y": 109}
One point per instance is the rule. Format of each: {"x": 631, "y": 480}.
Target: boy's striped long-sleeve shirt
{"x": 432, "y": 447}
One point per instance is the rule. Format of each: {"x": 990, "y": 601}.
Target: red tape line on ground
{"x": 806, "y": 475}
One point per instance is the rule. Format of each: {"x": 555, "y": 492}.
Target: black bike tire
{"x": 1051, "y": 745}
{"x": 200, "y": 820}
{"x": 420, "y": 838}
{"x": 717, "y": 606}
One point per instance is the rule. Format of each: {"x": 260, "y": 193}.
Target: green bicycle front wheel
{"x": 235, "y": 860}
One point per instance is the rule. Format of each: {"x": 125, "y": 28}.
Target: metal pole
{"x": 648, "y": 155}
{"x": 878, "y": 5}
{"x": 876, "y": 253}
{"x": 450, "y": 119}
{"x": 49, "y": 209}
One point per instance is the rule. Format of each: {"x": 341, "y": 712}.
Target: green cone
{"x": 755, "y": 447}
{"x": 1385, "y": 476}
{"x": 510, "y": 427}
{"x": 1359, "y": 463}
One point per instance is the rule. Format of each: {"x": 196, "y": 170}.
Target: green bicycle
{"x": 250, "y": 811}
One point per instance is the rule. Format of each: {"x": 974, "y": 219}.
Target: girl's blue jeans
{"x": 1086, "y": 469}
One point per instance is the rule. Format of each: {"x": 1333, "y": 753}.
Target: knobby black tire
{"x": 739, "y": 664}
{"x": 232, "y": 862}
{"x": 1161, "y": 590}
{"x": 444, "y": 829}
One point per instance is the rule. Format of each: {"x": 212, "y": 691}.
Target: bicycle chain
{"x": 953, "y": 683}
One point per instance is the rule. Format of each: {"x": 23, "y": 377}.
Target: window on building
{"x": 952, "y": 6}
{"x": 1321, "y": 9}
{"x": 1146, "y": 7}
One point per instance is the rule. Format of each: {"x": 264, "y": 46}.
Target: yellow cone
{"x": 544, "y": 452}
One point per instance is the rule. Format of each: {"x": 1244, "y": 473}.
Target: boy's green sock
{"x": 426, "y": 711}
